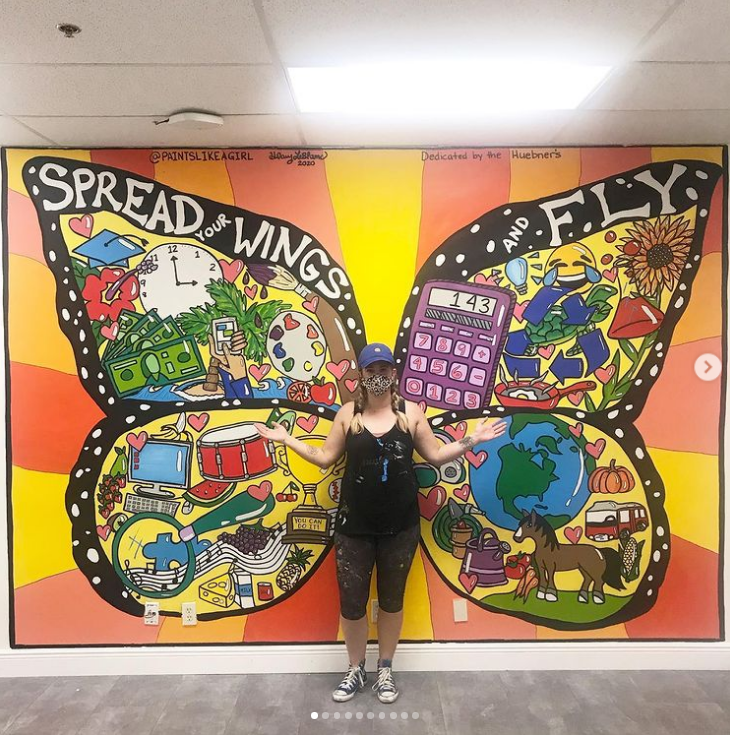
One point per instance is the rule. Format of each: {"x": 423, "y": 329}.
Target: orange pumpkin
{"x": 611, "y": 479}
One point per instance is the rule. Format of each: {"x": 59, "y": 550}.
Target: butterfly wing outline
{"x": 148, "y": 278}
{"x": 556, "y": 315}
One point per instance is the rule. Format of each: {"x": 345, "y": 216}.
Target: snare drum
{"x": 236, "y": 452}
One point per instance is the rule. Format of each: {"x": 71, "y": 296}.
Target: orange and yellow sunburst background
{"x": 368, "y": 208}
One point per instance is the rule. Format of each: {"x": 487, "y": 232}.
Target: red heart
{"x": 576, "y": 397}
{"x": 576, "y": 430}
{"x": 456, "y": 432}
{"x": 110, "y": 331}
{"x": 610, "y": 275}
{"x": 596, "y": 450}
{"x": 260, "y": 492}
{"x": 429, "y": 504}
{"x": 312, "y": 333}
{"x": 259, "y": 371}
{"x": 198, "y": 421}
{"x": 476, "y": 460}
{"x": 351, "y": 384}
{"x": 307, "y": 424}
{"x": 231, "y": 270}
{"x": 312, "y": 304}
{"x": 137, "y": 441}
{"x": 546, "y": 351}
{"x": 605, "y": 374}
{"x": 82, "y": 225}
{"x": 251, "y": 290}
{"x": 103, "y": 532}
{"x": 487, "y": 281}
{"x": 338, "y": 369}
{"x": 468, "y": 581}
{"x": 290, "y": 322}
{"x": 573, "y": 534}
{"x": 519, "y": 310}
{"x": 463, "y": 492}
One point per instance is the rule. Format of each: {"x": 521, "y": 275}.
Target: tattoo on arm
{"x": 312, "y": 451}
{"x": 467, "y": 442}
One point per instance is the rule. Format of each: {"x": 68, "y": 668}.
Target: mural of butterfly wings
{"x": 555, "y": 315}
{"x": 190, "y": 321}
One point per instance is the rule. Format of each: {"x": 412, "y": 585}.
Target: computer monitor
{"x": 160, "y": 463}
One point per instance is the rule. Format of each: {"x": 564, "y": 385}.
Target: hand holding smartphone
{"x": 223, "y": 330}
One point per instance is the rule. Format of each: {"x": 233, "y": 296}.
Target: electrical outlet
{"x": 374, "y": 607}
{"x": 152, "y": 613}
{"x": 460, "y": 612}
{"x": 189, "y": 616}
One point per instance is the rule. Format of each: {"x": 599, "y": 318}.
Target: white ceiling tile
{"x": 665, "y": 86}
{"x": 13, "y": 133}
{"x": 237, "y": 131}
{"x": 327, "y": 130}
{"x": 696, "y": 31}
{"x": 141, "y": 90}
{"x": 639, "y": 127}
{"x": 172, "y": 31}
{"x": 336, "y": 31}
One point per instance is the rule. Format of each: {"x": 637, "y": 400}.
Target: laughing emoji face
{"x": 571, "y": 266}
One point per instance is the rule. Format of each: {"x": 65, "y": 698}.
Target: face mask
{"x": 377, "y": 384}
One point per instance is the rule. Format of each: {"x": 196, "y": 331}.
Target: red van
{"x": 607, "y": 520}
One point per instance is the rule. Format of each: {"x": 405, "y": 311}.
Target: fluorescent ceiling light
{"x": 488, "y": 86}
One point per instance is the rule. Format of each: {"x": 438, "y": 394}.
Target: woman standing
{"x": 378, "y": 520}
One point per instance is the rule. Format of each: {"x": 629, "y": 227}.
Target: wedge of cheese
{"x": 218, "y": 591}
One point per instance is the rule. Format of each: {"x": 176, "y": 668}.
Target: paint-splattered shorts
{"x": 357, "y": 555}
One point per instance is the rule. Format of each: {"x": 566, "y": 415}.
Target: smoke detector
{"x": 190, "y": 120}
{"x": 70, "y": 30}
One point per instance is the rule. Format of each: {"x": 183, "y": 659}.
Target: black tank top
{"x": 379, "y": 489}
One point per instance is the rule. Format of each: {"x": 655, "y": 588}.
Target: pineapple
{"x": 297, "y": 562}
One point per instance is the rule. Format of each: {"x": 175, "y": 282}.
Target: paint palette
{"x": 296, "y": 345}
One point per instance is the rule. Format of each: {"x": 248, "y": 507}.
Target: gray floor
{"x": 506, "y": 703}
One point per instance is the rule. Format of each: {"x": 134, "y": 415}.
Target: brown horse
{"x": 599, "y": 566}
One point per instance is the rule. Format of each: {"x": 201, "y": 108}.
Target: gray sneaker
{"x": 385, "y": 686}
{"x": 355, "y": 679}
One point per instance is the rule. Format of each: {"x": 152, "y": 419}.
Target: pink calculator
{"x": 455, "y": 344}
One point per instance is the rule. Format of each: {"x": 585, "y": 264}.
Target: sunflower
{"x": 654, "y": 253}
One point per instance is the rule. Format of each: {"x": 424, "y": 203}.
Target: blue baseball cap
{"x": 374, "y": 352}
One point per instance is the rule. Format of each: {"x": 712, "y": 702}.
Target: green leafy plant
{"x": 617, "y": 387}
{"x": 228, "y": 300}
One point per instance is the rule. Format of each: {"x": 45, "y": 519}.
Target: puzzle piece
{"x": 164, "y": 550}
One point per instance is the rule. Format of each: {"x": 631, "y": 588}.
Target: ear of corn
{"x": 630, "y": 558}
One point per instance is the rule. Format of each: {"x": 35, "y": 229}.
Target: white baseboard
{"x": 332, "y": 658}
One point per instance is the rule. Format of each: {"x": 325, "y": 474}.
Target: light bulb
{"x": 516, "y": 272}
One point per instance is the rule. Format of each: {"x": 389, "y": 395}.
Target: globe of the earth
{"x": 536, "y": 464}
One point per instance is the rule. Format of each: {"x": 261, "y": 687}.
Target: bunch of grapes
{"x": 247, "y": 539}
{"x": 110, "y": 492}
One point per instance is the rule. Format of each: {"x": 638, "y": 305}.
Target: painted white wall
{"x": 331, "y": 658}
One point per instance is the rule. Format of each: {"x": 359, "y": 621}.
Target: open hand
{"x": 486, "y": 430}
{"x": 277, "y": 434}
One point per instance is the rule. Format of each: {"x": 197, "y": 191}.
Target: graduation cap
{"x": 108, "y": 248}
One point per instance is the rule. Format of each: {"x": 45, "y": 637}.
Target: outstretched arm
{"x": 437, "y": 453}
{"x": 324, "y": 456}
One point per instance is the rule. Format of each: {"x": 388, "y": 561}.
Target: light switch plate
{"x": 189, "y": 615}
{"x": 460, "y": 613}
{"x": 152, "y": 613}
{"x": 374, "y": 607}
